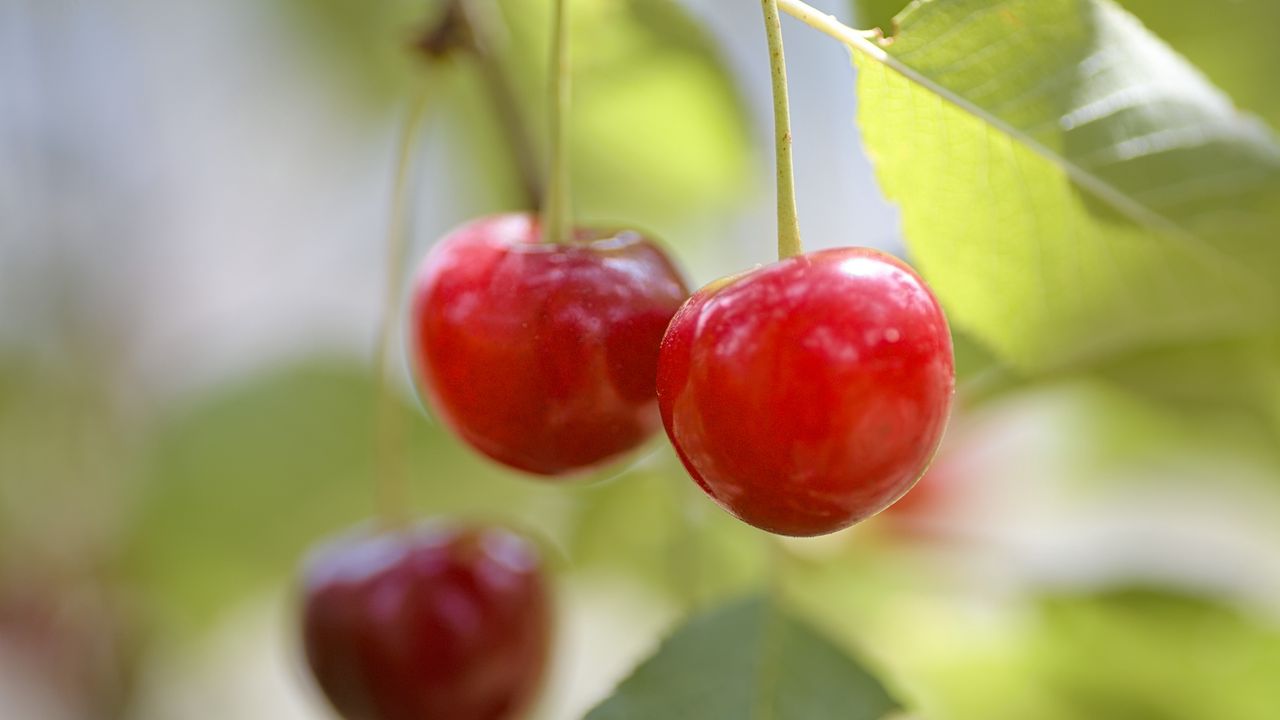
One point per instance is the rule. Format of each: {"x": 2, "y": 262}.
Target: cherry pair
{"x": 802, "y": 396}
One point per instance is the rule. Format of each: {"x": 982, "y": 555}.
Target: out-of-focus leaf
{"x": 363, "y": 46}
{"x": 1233, "y": 42}
{"x": 658, "y": 130}
{"x": 1228, "y": 387}
{"x": 961, "y": 654}
{"x": 1072, "y": 188}
{"x": 748, "y": 661}
{"x": 66, "y": 448}
{"x": 877, "y": 13}
{"x": 1137, "y": 654}
{"x": 1208, "y": 400}
{"x": 656, "y": 525}
{"x": 243, "y": 482}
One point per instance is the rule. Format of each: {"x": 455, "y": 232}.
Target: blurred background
{"x": 194, "y": 199}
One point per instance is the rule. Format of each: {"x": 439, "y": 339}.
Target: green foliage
{"x": 361, "y": 46}
{"x": 658, "y": 130}
{"x": 1229, "y": 390}
{"x": 748, "y": 660}
{"x": 877, "y": 13}
{"x": 242, "y": 483}
{"x": 1140, "y": 653}
{"x": 66, "y": 451}
{"x": 655, "y": 525}
{"x": 1229, "y": 41}
{"x": 1072, "y": 188}
{"x": 977, "y": 653}
{"x": 1232, "y": 42}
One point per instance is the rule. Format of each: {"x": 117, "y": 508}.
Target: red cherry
{"x": 432, "y": 624}
{"x": 809, "y": 394}
{"x": 543, "y": 356}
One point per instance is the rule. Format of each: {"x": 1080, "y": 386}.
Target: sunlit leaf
{"x": 1233, "y": 42}
{"x": 1071, "y": 187}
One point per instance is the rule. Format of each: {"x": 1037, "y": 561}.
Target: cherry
{"x": 431, "y": 624}
{"x": 543, "y": 356}
{"x": 811, "y": 393}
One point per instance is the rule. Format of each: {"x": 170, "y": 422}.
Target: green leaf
{"x": 659, "y": 131}
{"x": 1143, "y": 653}
{"x": 1072, "y": 188}
{"x": 747, "y": 661}
{"x": 66, "y": 448}
{"x": 362, "y": 47}
{"x": 962, "y": 647}
{"x": 1233, "y": 42}
{"x": 1209, "y": 384}
{"x": 657, "y": 526}
{"x": 242, "y": 482}
{"x": 877, "y": 13}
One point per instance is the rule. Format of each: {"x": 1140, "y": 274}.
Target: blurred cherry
{"x": 435, "y": 623}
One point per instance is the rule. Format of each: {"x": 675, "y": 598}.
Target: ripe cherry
{"x": 543, "y": 356}
{"x": 431, "y": 624}
{"x": 809, "y": 394}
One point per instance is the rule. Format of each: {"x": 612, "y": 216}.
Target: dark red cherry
{"x": 433, "y": 623}
{"x": 809, "y": 394}
{"x": 543, "y": 356}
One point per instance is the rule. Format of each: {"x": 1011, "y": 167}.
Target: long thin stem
{"x": 556, "y": 214}
{"x": 788, "y": 222}
{"x": 392, "y": 470}
{"x": 483, "y": 27}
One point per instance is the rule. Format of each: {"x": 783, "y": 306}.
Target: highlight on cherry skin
{"x": 431, "y": 623}
{"x": 542, "y": 356}
{"x": 811, "y": 393}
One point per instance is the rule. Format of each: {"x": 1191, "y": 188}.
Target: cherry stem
{"x": 788, "y": 221}
{"x": 481, "y": 24}
{"x": 392, "y": 468}
{"x": 556, "y": 213}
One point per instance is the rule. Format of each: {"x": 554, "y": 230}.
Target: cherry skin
{"x": 543, "y": 356}
{"x": 430, "y": 624}
{"x": 811, "y": 393}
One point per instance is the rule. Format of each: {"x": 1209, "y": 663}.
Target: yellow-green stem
{"x": 788, "y": 222}
{"x": 556, "y": 217}
{"x": 392, "y": 469}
